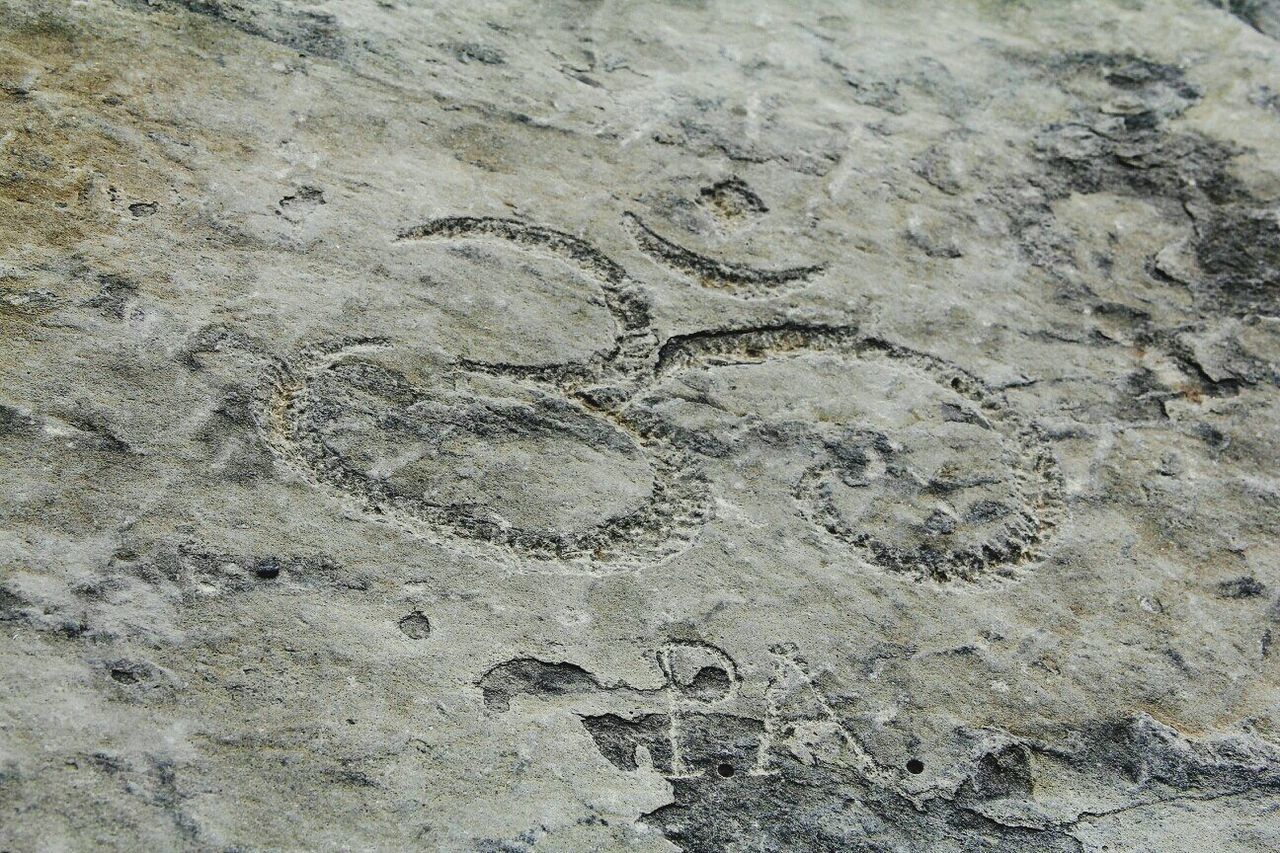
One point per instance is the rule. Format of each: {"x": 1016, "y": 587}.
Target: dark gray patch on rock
{"x": 1238, "y": 249}
{"x": 1245, "y": 586}
{"x": 10, "y": 606}
{"x": 507, "y": 680}
{"x": 1262, "y": 15}
{"x": 415, "y": 626}
{"x": 818, "y": 808}
{"x": 308, "y": 32}
{"x": 15, "y": 423}
{"x": 618, "y": 738}
{"x": 128, "y": 672}
{"x": 1120, "y": 143}
{"x": 114, "y": 295}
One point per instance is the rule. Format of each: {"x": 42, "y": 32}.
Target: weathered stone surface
{"x": 687, "y": 425}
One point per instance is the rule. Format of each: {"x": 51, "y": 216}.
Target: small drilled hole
{"x": 725, "y": 770}
{"x": 915, "y": 766}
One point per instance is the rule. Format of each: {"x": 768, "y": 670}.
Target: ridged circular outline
{"x": 627, "y": 305}
{"x": 1036, "y": 479}
{"x": 661, "y": 528}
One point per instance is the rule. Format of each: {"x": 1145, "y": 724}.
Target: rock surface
{"x": 581, "y": 425}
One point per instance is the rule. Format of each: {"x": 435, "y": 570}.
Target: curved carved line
{"x": 709, "y": 271}
{"x": 627, "y": 306}
{"x": 668, "y": 521}
{"x": 1037, "y": 478}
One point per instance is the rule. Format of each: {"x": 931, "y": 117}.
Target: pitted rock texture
{"x": 681, "y": 425}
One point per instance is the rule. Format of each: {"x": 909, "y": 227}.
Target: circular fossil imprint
{"x": 485, "y": 457}
{"x": 910, "y": 460}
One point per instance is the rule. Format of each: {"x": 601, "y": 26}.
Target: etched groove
{"x": 681, "y": 351}
{"x": 627, "y": 305}
{"x": 970, "y": 491}
{"x": 696, "y": 725}
{"x": 337, "y": 418}
{"x": 710, "y": 272}
{"x": 732, "y": 198}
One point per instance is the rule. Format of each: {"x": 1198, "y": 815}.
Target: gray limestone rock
{"x": 687, "y": 425}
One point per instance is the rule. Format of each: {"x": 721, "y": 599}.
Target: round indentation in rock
{"x": 415, "y": 626}
{"x": 526, "y": 299}
{"x": 268, "y": 568}
{"x": 486, "y": 457}
{"x": 908, "y": 459}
